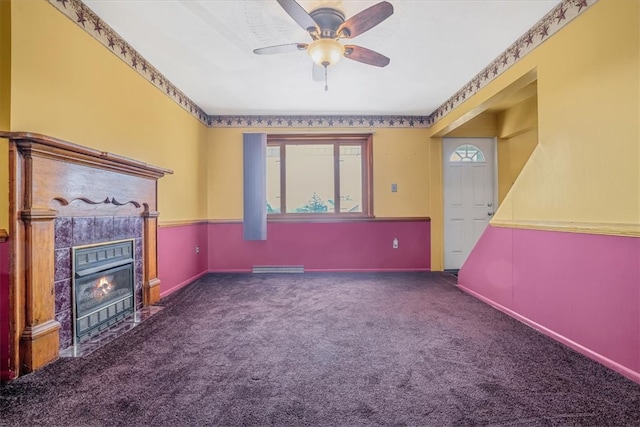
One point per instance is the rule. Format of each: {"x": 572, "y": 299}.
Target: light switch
{"x": 394, "y": 188}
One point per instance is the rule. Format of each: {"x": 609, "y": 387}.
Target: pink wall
{"x": 581, "y": 289}
{"x": 324, "y": 246}
{"x": 178, "y": 263}
{"x": 4, "y": 312}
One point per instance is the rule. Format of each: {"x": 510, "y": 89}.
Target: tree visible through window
{"x": 318, "y": 175}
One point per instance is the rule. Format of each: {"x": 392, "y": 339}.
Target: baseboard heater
{"x": 257, "y": 269}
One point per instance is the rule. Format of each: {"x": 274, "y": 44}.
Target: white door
{"x": 469, "y": 195}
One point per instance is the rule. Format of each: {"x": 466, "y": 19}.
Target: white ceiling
{"x": 205, "y": 47}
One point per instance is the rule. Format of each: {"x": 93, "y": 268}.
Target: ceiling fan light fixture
{"x": 325, "y": 52}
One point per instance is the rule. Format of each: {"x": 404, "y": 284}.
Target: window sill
{"x": 338, "y": 218}
{"x": 318, "y": 218}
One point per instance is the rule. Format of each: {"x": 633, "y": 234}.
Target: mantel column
{"x": 151, "y": 291}
{"x": 39, "y": 341}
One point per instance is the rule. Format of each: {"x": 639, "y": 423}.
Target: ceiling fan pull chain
{"x": 326, "y": 84}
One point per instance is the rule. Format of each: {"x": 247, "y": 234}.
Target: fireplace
{"x": 63, "y": 196}
{"x": 103, "y": 287}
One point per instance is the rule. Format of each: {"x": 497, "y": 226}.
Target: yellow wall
{"x": 517, "y": 138}
{"x": 67, "y": 85}
{"x": 400, "y": 156}
{"x": 513, "y": 154}
{"x": 585, "y": 168}
{"x": 5, "y": 108}
{"x": 518, "y": 119}
{"x": 225, "y": 173}
{"x": 484, "y": 125}
{"x": 437, "y": 204}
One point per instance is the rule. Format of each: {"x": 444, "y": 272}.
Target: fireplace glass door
{"x": 103, "y": 287}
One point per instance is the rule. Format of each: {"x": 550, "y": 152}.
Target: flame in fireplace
{"x": 102, "y": 287}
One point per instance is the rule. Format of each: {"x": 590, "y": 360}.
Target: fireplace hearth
{"x": 103, "y": 287}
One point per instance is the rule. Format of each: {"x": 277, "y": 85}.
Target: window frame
{"x": 337, "y": 140}
{"x": 468, "y": 159}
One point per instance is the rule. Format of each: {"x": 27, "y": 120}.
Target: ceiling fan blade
{"x": 366, "y": 56}
{"x": 299, "y": 15}
{"x": 281, "y": 48}
{"x": 317, "y": 72}
{"x": 365, "y": 20}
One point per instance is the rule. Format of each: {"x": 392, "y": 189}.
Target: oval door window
{"x": 467, "y": 153}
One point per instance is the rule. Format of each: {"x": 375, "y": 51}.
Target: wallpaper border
{"x": 86, "y": 18}
{"x": 550, "y": 24}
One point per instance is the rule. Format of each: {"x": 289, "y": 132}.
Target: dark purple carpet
{"x": 325, "y": 349}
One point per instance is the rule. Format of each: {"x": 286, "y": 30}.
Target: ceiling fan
{"x": 327, "y": 26}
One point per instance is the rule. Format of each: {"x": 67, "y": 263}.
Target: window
{"x": 467, "y": 153}
{"x": 318, "y": 175}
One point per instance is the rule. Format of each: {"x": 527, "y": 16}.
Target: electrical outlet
{"x": 395, "y": 243}
{"x": 197, "y": 249}
{"x": 394, "y": 188}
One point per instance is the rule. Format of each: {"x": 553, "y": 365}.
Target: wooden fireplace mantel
{"x": 68, "y": 151}
{"x": 50, "y": 178}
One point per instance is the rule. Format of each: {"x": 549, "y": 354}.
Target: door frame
{"x": 494, "y": 181}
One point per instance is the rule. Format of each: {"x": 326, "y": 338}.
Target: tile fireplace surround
{"x": 64, "y": 195}
{"x": 78, "y": 231}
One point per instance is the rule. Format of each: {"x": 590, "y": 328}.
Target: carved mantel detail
{"x": 51, "y": 178}
{"x": 108, "y": 200}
